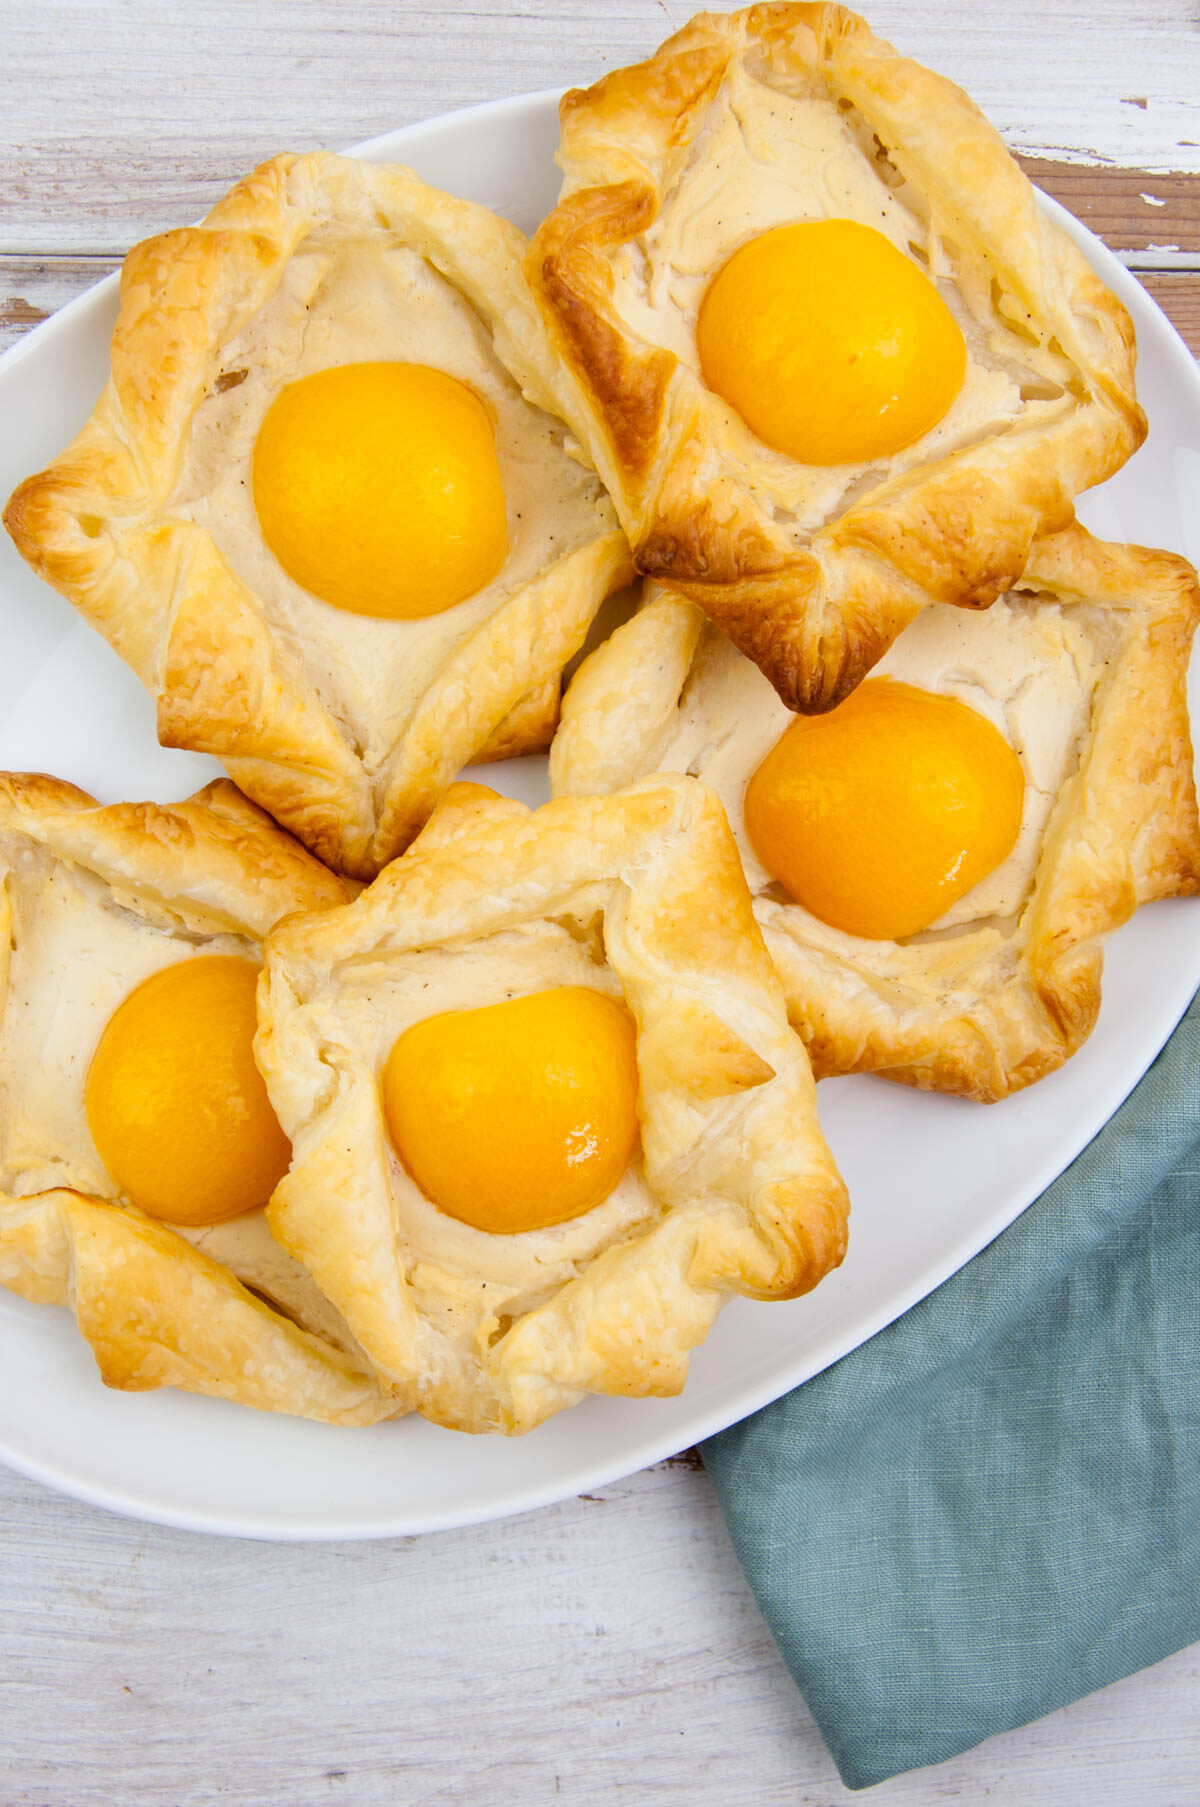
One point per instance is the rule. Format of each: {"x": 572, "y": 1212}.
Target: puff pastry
{"x": 638, "y": 896}
{"x": 1083, "y": 667}
{"x": 779, "y": 113}
{"x": 346, "y": 728}
{"x": 94, "y": 900}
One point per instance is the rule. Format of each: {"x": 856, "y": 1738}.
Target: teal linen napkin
{"x": 993, "y": 1506}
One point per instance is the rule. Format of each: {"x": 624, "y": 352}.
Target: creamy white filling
{"x": 1031, "y": 670}
{"x": 766, "y": 158}
{"x": 344, "y": 303}
{"x": 247, "y": 1248}
{"x": 1033, "y": 673}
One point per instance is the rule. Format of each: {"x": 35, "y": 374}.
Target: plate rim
{"x": 649, "y": 1449}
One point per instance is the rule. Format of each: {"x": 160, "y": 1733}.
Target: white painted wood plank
{"x": 117, "y": 119}
{"x": 602, "y": 1651}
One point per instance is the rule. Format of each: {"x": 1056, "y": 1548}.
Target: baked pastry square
{"x": 96, "y": 900}
{"x": 1082, "y": 667}
{"x": 761, "y": 120}
{"x": 345, "y": 725}
{"x": 638, "y": 899}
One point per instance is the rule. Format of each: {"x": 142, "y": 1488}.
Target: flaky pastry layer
{"x": 346, "y": 728}
{"x": 1085, "y": 670}
{"x": 783, "y": 112}
{"x": 160, "y": 1313}
{"x": 94, "y": 900}
{"x": 639, "y": 895}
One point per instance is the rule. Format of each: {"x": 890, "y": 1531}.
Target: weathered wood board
{"x": 606, "y": 1650}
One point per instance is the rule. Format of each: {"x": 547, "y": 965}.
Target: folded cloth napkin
{"x": 993, "y": 1506}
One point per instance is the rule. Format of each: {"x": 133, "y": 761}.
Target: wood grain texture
{"x": 122, "y": 117}
{"x": 605, "y": 1651}
{"x": 1179, "y": 298}
{"x": 1156, "y": 218}
{"x": 31, "y": 288}
{"x": 602, "y": 1652}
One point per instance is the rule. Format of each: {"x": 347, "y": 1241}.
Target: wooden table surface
{"x": 605, "y": 1650}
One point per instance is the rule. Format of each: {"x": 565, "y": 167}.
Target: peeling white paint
{"x": 122, "y": 116}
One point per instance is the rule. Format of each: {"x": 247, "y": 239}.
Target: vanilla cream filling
{"x": 1031, "y": 668}
{"x": 767, "y": 158}
{"x": 463, "y": 1278}
{"x": 344, "y": 302}
{"x": 247, "y": 1248}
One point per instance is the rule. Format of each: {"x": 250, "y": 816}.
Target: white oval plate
{"x": 932, "y": 1179}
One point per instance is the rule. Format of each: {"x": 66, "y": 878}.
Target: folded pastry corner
{"x": 158, "y": 1312}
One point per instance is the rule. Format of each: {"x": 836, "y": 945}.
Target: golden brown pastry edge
{"x": 764, "y": 1216}
{"x": 92, "y": 524}
{"x": 981, "y": 1014}
{"x": 155, "y": 1310}
{"x": 816, "y": 618}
